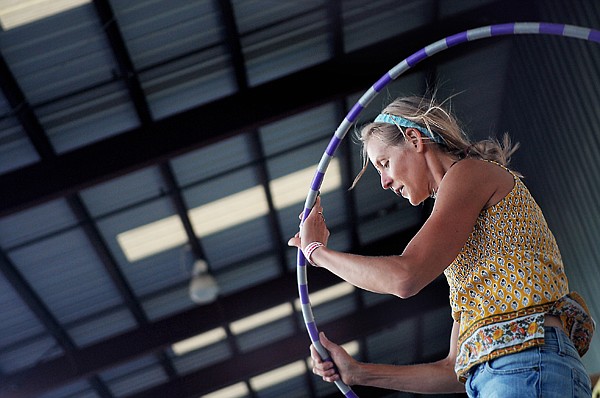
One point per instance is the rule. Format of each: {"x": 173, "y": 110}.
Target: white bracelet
{"x": 309, "y": 249}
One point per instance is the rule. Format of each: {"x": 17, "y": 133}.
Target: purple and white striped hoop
{"x": 516, "y": 28}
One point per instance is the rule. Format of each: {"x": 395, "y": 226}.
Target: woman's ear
{"x": 415, "y": 137}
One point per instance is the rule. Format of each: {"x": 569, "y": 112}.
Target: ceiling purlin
{"x": 234, "y": 45}
{"x": 24, "y": 112}
{"x": 34, "y": 302}
{"x": 126, "y": 68}
{"x": 136, "y": 93}
{"x": 335, "y": 18}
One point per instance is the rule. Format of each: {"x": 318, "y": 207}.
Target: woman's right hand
{"x": 313, "y": 229}
{"x": 344, "y": 366}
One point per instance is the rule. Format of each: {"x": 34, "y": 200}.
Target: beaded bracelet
{"x": 309, "y": 249}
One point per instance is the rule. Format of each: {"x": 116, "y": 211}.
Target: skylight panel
{"x": 328, "y": 294}
{"x": 152, "y": 238}
{"x": 199, "y": 341}
{"x": 261, "y": 318}
{"x": 278, "y": 375}
{"x": 291, "y": 370}
{"x": 232, "y": 210}
{"x": 234, "y": 391}
{"x": 293, "y": 188}
{"x": 15, "y": 13}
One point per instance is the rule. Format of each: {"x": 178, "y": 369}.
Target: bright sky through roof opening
{"x": 168, "y": 233}
{"x": 261, "y": 318}
{"x": 276, "y": 376}
{"x": 199, "y": 341}
{"x": 15, "y": 13}
{"x": 238, "y": 390}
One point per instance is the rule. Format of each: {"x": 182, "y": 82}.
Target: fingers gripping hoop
{"x": 516, "y": 28}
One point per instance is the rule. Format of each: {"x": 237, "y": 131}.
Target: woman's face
{"x": 402, "y": 169}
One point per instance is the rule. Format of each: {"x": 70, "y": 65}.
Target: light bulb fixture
{"x": 203, "y": 286}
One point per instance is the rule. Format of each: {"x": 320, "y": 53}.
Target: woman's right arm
{"x": 427, "y": 378}
{"x": 466, "y": 190}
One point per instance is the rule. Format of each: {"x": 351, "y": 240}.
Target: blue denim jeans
{"x": 553, "y": 370}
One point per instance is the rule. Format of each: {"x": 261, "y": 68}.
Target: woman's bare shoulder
{"x": 490, "y": 178}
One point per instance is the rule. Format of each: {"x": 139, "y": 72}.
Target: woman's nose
{"x": 386, "y": 182}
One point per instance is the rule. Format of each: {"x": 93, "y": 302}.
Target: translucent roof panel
{"x": 283, "y": 37}
{"x": 48, "y": 56}
{"x": 230, "y": 212}
{"x": 150, "y": 270}
{"x": 203, "y": 357}
{"x": 56, "y": 60}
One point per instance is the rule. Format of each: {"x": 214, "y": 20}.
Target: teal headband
{"x": 400, "y": 121}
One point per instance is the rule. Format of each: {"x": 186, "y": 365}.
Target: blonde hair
{"x": 440, "y": 122}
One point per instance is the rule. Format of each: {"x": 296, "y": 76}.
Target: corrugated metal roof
{"x": 117, "y": 114}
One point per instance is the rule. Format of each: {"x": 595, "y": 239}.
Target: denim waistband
{"x": 555, "y": 339}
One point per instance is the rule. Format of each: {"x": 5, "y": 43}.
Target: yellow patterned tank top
{"x": 506, "y": 278}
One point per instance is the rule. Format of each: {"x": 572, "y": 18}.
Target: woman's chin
{"x": 415, "y": 202}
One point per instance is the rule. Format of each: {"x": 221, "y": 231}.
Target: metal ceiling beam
{"x": 136, "y": 93}
{"x": 24, "y": 113}
{"x": 207, "y": 124}
{"x": 341, "y": 330}
{"x": 125, "y": 64}
{"x": 232, "y": 39}
{"x": 154, "y": 336}
{"x": 34, "y": 302}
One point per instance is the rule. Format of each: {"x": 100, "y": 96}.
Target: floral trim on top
{"x": 499, "y": 338}
{"x": 510, "y": 333}
{"x": 574, "y": 315}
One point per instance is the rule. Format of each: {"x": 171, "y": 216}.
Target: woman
{"x": 517, "y": 331}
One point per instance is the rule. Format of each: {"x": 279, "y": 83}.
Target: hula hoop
{"x": 515, "y": 28}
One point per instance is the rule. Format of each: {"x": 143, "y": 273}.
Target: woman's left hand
{"x": 313, "y": 229}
